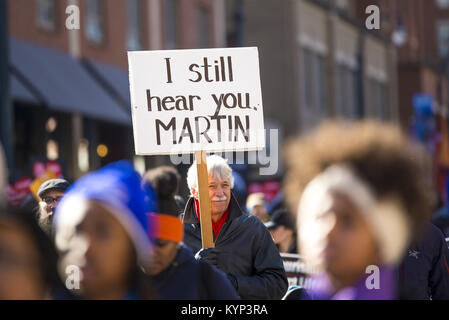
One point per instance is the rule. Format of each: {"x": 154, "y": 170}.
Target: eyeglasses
{"x": 50, "y": 200}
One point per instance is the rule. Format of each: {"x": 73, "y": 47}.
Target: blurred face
{"x": 47, "y": 207}
{"x": 163, "y": 252}
{"x": 259, "y": 211}
{"x": 344, "y": 245}
{"x": 102, "y": 249}
{"x": 219, "y": 195}
{"x": 280, "y": 234}
{"x": 20, "y": 277}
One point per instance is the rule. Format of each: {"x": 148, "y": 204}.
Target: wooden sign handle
{"x": 203, "y": 191}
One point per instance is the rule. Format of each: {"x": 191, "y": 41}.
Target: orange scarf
{"x": 165, "y": 227}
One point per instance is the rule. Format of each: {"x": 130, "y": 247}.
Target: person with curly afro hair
{"x": 360, "y": 191}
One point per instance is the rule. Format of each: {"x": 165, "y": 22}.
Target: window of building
{"x": 320, "y": 82}
{"x": 46, "y": 14}
{"x": 371, "y": 96}
{"x": 347, "y": 92}
{"x": 94, "y": 27}
{"x": 134, "y": 24}
{"x": 377, "y": 100}
{"x": 340, "y": 86}
{"x": 203, "y": 27}
{"x": 443, "y": 38}
{"x": 306, "y": 67}
{"x": 171, "y": 25}
{"x": 342, "y": 4}
{"x": 383, "y": 101}
{"x": 313, "y": 80}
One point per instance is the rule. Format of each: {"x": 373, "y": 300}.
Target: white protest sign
{"x": 184, "y": 101}
{"x": 296, "y": 270}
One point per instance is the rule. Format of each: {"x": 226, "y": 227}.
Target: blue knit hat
{"x": 118, "y": 187}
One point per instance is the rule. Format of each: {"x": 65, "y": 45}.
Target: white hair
{"x": 216, "y": 166}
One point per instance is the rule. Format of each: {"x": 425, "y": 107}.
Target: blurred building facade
{"x": 318, "y": 61}
{"x": 69, "y": 89}
{"x": 420, "y": 31}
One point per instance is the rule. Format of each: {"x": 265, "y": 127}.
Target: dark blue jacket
{"x": 246, "y": 250}
{"x": 441, "y": 220}
{"x": 188, "y": 279}
{"x": 424, "y": 272}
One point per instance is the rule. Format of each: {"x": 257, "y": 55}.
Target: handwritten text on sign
{"x": 296, "y": 270}
{"x": 189, "y": 100}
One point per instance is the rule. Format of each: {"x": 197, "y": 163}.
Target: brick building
{"x": 314, "y": 56}
{"x": 69, "y": 88}
{"x": 420, "y": 30}
{"x": 317, "y": 60}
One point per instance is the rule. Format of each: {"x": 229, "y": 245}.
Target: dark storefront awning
{"x": 63, "y": 83}
{"x": 115, "y": 79}
{"x": 20, "y": 92}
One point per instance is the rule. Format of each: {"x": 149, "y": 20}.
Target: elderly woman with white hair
{"x": 244, "y": 249}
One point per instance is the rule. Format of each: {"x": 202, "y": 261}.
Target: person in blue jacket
{"x": 174, "y": 272}
{"x": 424, "y": 272}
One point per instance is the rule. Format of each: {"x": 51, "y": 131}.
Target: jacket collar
{"x": 190, "y": 217}
{"x": 183, "y": 255}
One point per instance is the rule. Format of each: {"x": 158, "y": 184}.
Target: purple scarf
{"x": 322, "y": 288}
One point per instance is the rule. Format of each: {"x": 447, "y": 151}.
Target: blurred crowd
{"x": 356, "y": 206}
